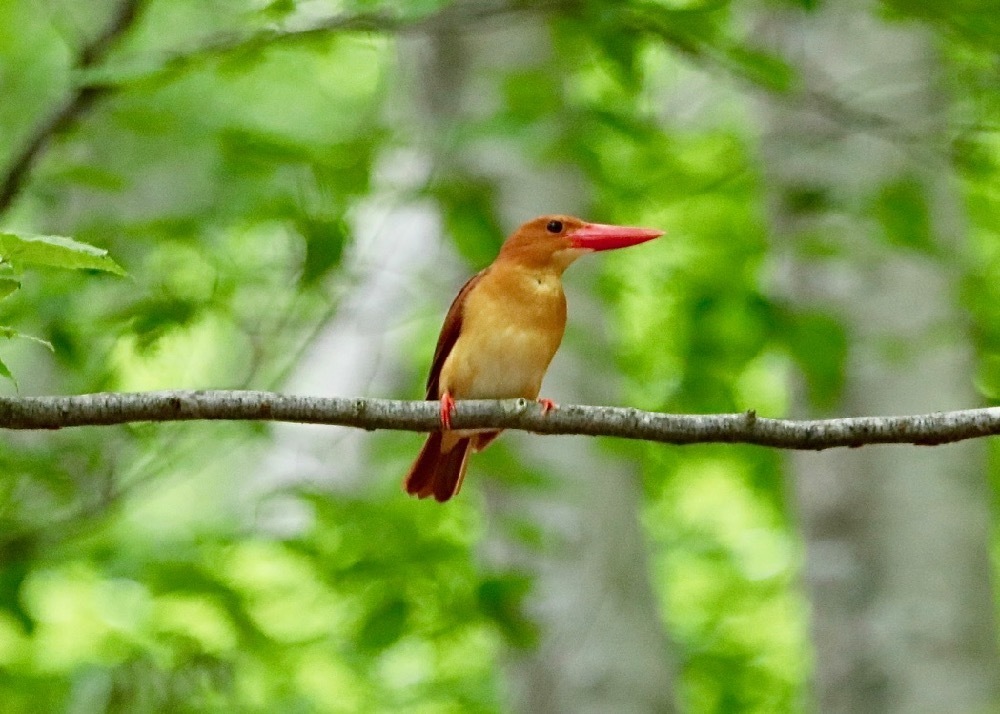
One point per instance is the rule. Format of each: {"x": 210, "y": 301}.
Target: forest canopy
{"x": 285, "y": 196}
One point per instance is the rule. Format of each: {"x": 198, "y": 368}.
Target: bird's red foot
{"x": 547, "y": 406}
{"x": 447, "y": 409}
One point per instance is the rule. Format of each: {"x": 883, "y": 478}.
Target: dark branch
{"x": 370, "y": 414}
{"x": 72, "y": 108}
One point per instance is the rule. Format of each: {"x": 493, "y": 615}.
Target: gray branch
{"x": 747, "y": 428}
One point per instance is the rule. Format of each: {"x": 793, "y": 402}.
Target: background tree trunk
{"x": 601, "y": 646}
{"x": 897, "y": 561}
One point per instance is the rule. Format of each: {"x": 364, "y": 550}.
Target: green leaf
{"x": 988, "y": 377}
{"x": 255, "y": 150}
{"x": 55, "y": 251}
{"x": 325, "y": 240}
{"x": 901, "y": 208}
{"x": 95, "y": 177}
{"x": 153, "y": 317}
{"x": 38, "y": 340}
{"x": 385, "y": 625}
{"x": 818, "y": 344}
{"x": 8, "y": 286}
{"x": 500, "y": 599}
{"x": 17, "y": 553}
{"x": 278, "y": 9}
{"x": 469, "y": 218}
{"x": 529, "y": 94}
{"x": 766, "y": 70}
{"x": 117, "y": 73}
{"x": 5, "y": 372}
{"x": 9, "y": 333}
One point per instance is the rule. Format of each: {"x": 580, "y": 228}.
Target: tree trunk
{"x": 601, "y": 644}
{"x": 897, "y": 560}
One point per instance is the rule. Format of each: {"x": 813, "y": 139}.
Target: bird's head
{"x": 553, "y": 242}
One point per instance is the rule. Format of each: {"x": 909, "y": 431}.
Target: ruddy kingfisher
{"x": 500, "y": 334}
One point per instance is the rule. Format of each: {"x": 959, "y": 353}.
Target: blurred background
{"x": 297, "y": 188}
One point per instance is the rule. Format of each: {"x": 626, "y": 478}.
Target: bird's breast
{"x": 511, "y": 329}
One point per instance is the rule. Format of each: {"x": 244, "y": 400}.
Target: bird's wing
{"x": 449, "y": 334}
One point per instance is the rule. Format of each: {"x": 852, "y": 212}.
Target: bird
{"x": 500, "y": 334}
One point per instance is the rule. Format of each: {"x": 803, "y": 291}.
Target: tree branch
{"x": 92, "y": 55}
{"x": 450, "y": 17}
{"x": 72, "y": 108}
{"x": 121, "y": 408}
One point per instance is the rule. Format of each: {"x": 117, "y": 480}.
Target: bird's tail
{"x": 438, "y": 473}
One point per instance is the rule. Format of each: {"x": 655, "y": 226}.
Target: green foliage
{"x": 8, "y": 286}
{"x": 766, "y": 70}
{"x": 818, "y": 344}
{"x": 500, "y": 598}
{"x": 139, "y": 571}
{"x": 469, "y": 216}
{"x": 728, "y": 563}
{"x": 20, "y": 251}
{"x": 695, "y": 334}
{"x": 901, "y": 208}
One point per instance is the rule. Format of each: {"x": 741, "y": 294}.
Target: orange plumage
{"x": 500, "y": 335}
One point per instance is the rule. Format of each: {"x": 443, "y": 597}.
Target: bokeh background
{"x": 297, "y": 188}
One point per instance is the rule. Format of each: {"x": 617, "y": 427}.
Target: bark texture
{"x": 897, "y": 562}
{"x": 109, "y": 408}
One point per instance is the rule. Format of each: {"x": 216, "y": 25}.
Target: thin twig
{"x": 450, "y": 18}
{"x": 746, "y": 427}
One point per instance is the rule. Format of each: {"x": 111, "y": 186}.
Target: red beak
{"x": 599, "y": 236}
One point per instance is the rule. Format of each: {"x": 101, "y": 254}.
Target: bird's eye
{"x": 554, "y": 227}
